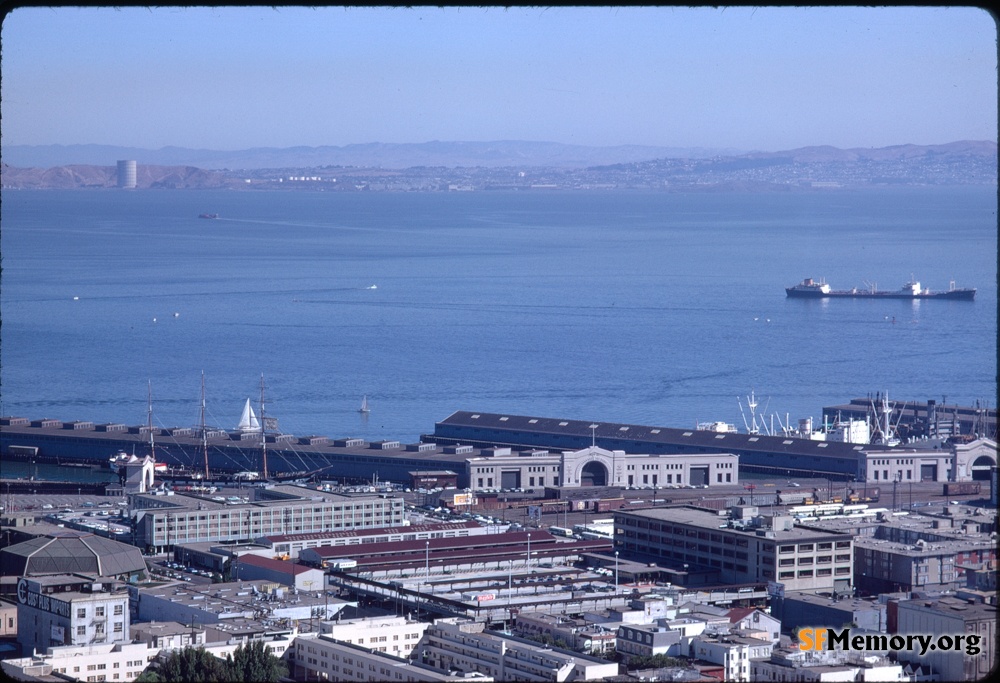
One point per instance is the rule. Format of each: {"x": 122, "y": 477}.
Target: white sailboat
{"x": 248, "y": 421}
{"x": 364, "y": 405}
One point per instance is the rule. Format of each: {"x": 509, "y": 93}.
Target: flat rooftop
{"x": 277, "y": 495}
{"x": 710, "y": 519}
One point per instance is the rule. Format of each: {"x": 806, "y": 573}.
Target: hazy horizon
{"x": 750, "y": 79}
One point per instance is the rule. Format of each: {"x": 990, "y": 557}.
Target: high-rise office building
{"x": 126, "y": 174}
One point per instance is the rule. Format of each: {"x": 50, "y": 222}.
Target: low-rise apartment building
{"x": 649, "y": 640}
{"x": 163, "y": 521}
{"x": 795, "y": 666}
{"x": 924, "y": 549}
{"x": 397, "y": 636}
{"x": 734, "y": 653}
{"x": 742, "y": 545}
{"x": 327, "y": 659}
{"x": 71, "y": 609}
{"x": 451, "y": 644}
{"x": 562, "y": 631}
{"x": 951, "y": 616}
{"x": 111, "y": 662}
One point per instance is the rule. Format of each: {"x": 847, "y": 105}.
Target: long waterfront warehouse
{"x": 516, "y": 449}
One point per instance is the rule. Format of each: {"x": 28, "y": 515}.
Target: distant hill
{"x": 527, "y": 166}
{"x": 506, "y": 153}
{"x": 81, "y": 176}
{"x": 963, "y": 148}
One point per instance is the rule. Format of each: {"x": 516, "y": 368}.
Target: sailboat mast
{"x": 263, "y": 433}
{"x": 204, "y": 429}
{"x": 149, "y": 418}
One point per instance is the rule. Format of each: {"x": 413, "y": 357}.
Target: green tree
{"x": 655, "y": 662}
{"x": 253, "y": 663}
{"x": 191, "y": 665}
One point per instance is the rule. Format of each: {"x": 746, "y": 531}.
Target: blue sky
{"x": 232, "y": 78}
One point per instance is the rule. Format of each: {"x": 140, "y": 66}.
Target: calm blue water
{"x": 631, "y": 307}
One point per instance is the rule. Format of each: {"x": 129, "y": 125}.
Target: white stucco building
{"x": 113, "y": 662}
{"x": 68, "y": 609}
{"x": 501, "y": 468}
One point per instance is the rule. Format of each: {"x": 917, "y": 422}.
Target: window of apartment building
{"x": 81, "y": 613}
{"x": 843, "y": 544}
{"x": 786, "y": 562}
{"x": 824, "y": 571}
{"x": 846, "y": 557}
{"x": 786, "y": 575}
{"x": 805, "y": 560}
{"x": 805, "y": 573}
{"x": 805, "y": 547}
{"x": 118, "y": 610}
{"x": 786, "y": 549}
{"x": 824, "y": 546}
{"x": 81, "y": 630}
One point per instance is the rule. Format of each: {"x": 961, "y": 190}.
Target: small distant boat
{"x": 248, "y": 420}
{"x": 117, "y": 460}
{"x": 208, "y": 215}
{"x": 364, "y": 405}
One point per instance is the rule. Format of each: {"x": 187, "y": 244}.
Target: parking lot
{"x": 168, "y": 569}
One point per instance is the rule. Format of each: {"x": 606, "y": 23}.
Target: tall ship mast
{"x": 204, "y": 428}
{"x": 149, "y": 418}
{"x": 263, "y": 430}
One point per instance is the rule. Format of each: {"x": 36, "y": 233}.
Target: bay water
{"x": 636, "y": 307}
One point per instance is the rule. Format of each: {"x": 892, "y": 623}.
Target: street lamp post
{"x": 616, "y": 572}
{"x": 529, "y": 551}
{"x": 427, "y": 559}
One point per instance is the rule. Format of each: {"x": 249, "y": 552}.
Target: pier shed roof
{"x": 71, "y": 552}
